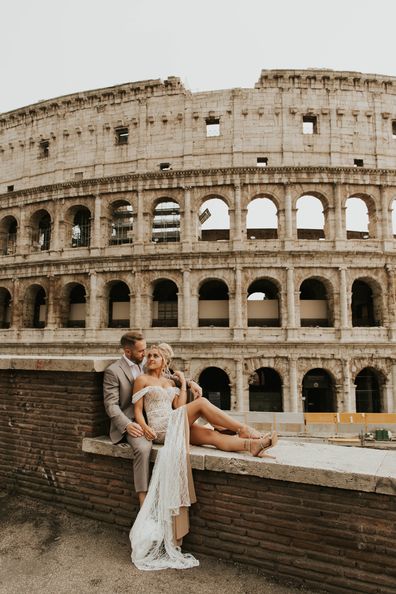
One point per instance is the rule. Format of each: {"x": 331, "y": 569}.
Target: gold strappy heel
{"x": 258, "y": 447}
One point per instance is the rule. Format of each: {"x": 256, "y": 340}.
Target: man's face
{"x": 137, "y": 352}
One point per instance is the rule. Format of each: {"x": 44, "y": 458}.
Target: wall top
{"x": 340, "y": 467}
{"x": 323, "y": 78}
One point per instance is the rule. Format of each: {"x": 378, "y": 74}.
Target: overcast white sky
{"x": 50, "y": 48}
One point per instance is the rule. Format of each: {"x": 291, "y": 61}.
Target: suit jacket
{"x": 117, "y": 395}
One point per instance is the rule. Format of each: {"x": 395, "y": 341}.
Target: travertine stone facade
{"x": 70, "y": 166}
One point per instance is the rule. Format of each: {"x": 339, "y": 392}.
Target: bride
{"x": 155, "y": 535}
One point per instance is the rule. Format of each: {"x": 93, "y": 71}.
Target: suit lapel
{"x": 126, "y": 369}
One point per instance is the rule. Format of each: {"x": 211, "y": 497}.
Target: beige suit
{"x": 117, "y": 394}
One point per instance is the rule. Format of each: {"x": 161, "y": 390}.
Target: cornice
{"x": 262, "y": 174}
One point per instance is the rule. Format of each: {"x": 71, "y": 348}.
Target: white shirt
{"x": 135, "y": 368}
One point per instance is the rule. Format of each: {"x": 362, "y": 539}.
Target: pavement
{"x": 46, "y": 550}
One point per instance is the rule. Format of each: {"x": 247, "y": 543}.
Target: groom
{"x": 117, "y": 393}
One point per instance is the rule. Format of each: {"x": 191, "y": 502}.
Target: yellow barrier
{"x": 349, "y": 418}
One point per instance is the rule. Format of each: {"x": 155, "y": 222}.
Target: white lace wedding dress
{"x": 152, "y": 535}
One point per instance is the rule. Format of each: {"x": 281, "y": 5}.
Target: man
{"x": 117, "y": 392}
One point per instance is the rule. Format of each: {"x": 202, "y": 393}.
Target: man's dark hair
{"x": 130, "y": 338}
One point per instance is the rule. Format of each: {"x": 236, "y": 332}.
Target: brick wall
{"x": 337, "y": 540}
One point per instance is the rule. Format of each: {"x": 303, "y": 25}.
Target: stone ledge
{"x": 356, "y": 469}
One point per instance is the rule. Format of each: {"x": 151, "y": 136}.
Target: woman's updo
{"x": 166, "y": 352}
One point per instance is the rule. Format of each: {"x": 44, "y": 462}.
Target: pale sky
{"x": 50, "y": 48}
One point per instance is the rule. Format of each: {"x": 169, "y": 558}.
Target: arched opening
{"x": 263, "y": 304}
{"x": 369, "y": 387}
{"x": 77, "y": 306}
{"x": 214, "y": 220}
{"x": 314, "y": 307}
{"x": 165, "y": 304}
{"x": 318, "y": 392}
{"x": 366, "y": 310}
{"x": 262, "y": 219}
{"x": 5, "y": 308}
{"x": 41, "y": 230}
{"x": 265, "y": 391}
{"x": 166, "y": 222}
{"x": 119, "y": 305}
{"x": 215, "y": 385}
{"x": 310, "y": 218}
{"x": 8, "y": 235}
{"x": 357, "y": 219}
{"x": 35, "y": 308}
{"x": 213, "y": 304}
{"x": 81, "y": 228}
{"x": 121, "y": 229}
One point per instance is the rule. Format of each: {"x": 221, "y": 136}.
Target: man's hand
{"x": 196, "y": 389}
{"x": 134, "y": 429}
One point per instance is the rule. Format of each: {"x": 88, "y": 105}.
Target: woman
{"x": 171, "y": 420}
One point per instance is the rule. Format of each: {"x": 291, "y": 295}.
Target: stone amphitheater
{"x": 148, "y": 206}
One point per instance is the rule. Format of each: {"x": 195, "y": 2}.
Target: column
{"x": 55, "y": 229}
{"x": 344, "y": 318}
{"x": 349, "y": 391}
{"x": 386, "y": 218}
{"x": 291, "y": 314}
{"x": 388, "y": 397}
{"x": 390, "y": 270}
{"x": 137, "y": 320}
{"x": 16, "y": 306}
{"x": 295, "y": 404}
{"x": 340, "y": 232}
{"x": 186, "y": 299}
{"x": 97, "y": 236}
{"x": 24, "y": 232}
{"x": 139, "y": 219}
{"x": 51, "y": 303}
{"x": 93, "y": 316}
{"x": 393, "y": 405}
{"x": 238, "y": 298}
{"x": 288, "y": 214}
{"x": 236, "y": 232}
{"x": 240, "y": 404}
{"x": 187, "y": 217}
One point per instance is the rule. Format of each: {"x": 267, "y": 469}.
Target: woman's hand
{"x": 149, "y": 434}
{"x": 180, "y": 376}
{"x": 196, "y": 389}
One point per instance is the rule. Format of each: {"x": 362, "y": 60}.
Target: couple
{"x": 161, "y": 414}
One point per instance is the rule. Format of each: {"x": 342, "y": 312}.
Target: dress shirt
{"x": 136, "y": 368}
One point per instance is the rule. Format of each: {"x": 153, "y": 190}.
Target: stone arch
{"x": 319, "y": 391}
{"x": 5, "y": 308}
{"x": 117, "y": 296}
{"x": 35, "y": 307}
{"x": 8, "y": 235}
{"x": 120, "y": 221}
{"x": 213, "y": 306}
{"x": 216, "y": 386}
{"x": 263, "y": 307}
{"x": 366, "y": 302}
{"x": 316, "y": 302}
{"x": 360, "y": 216}
{"x": 78, "y": 226}
{"x": 41, "y": 230}
{"x": 166, "y": 220}
{"x": 265, "y": 390}
{"x": 164, "y": 303}
{"x": 214, "y": 219}
{"x": 262, "y": 218}
{"x": 311, "y": 216}
{"x": 370, "y": 390}
{"x": 73, "y": 310}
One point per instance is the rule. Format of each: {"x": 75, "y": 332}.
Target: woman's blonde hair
{"x": 166, "y": 352}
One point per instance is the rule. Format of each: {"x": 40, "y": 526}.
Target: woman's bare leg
{"x": 215, "y": 416}
{"x": 227, "y": 443}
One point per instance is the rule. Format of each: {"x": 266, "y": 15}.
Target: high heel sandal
{"x": 261, "y": 445}
{"x": 250, "y": 433}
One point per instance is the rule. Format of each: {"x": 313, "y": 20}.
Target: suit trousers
{"x": 141, "y": 448}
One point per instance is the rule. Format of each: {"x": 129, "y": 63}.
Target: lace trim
{"x": 138, "y": 395}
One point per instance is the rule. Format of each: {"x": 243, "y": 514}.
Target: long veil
{"x": 152, "y": 534}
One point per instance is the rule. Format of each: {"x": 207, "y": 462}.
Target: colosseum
{"x": 184, "y": 214}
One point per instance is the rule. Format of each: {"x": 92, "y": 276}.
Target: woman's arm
{"x": 139, "y": 384}
{"x": 181, "y": 399}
